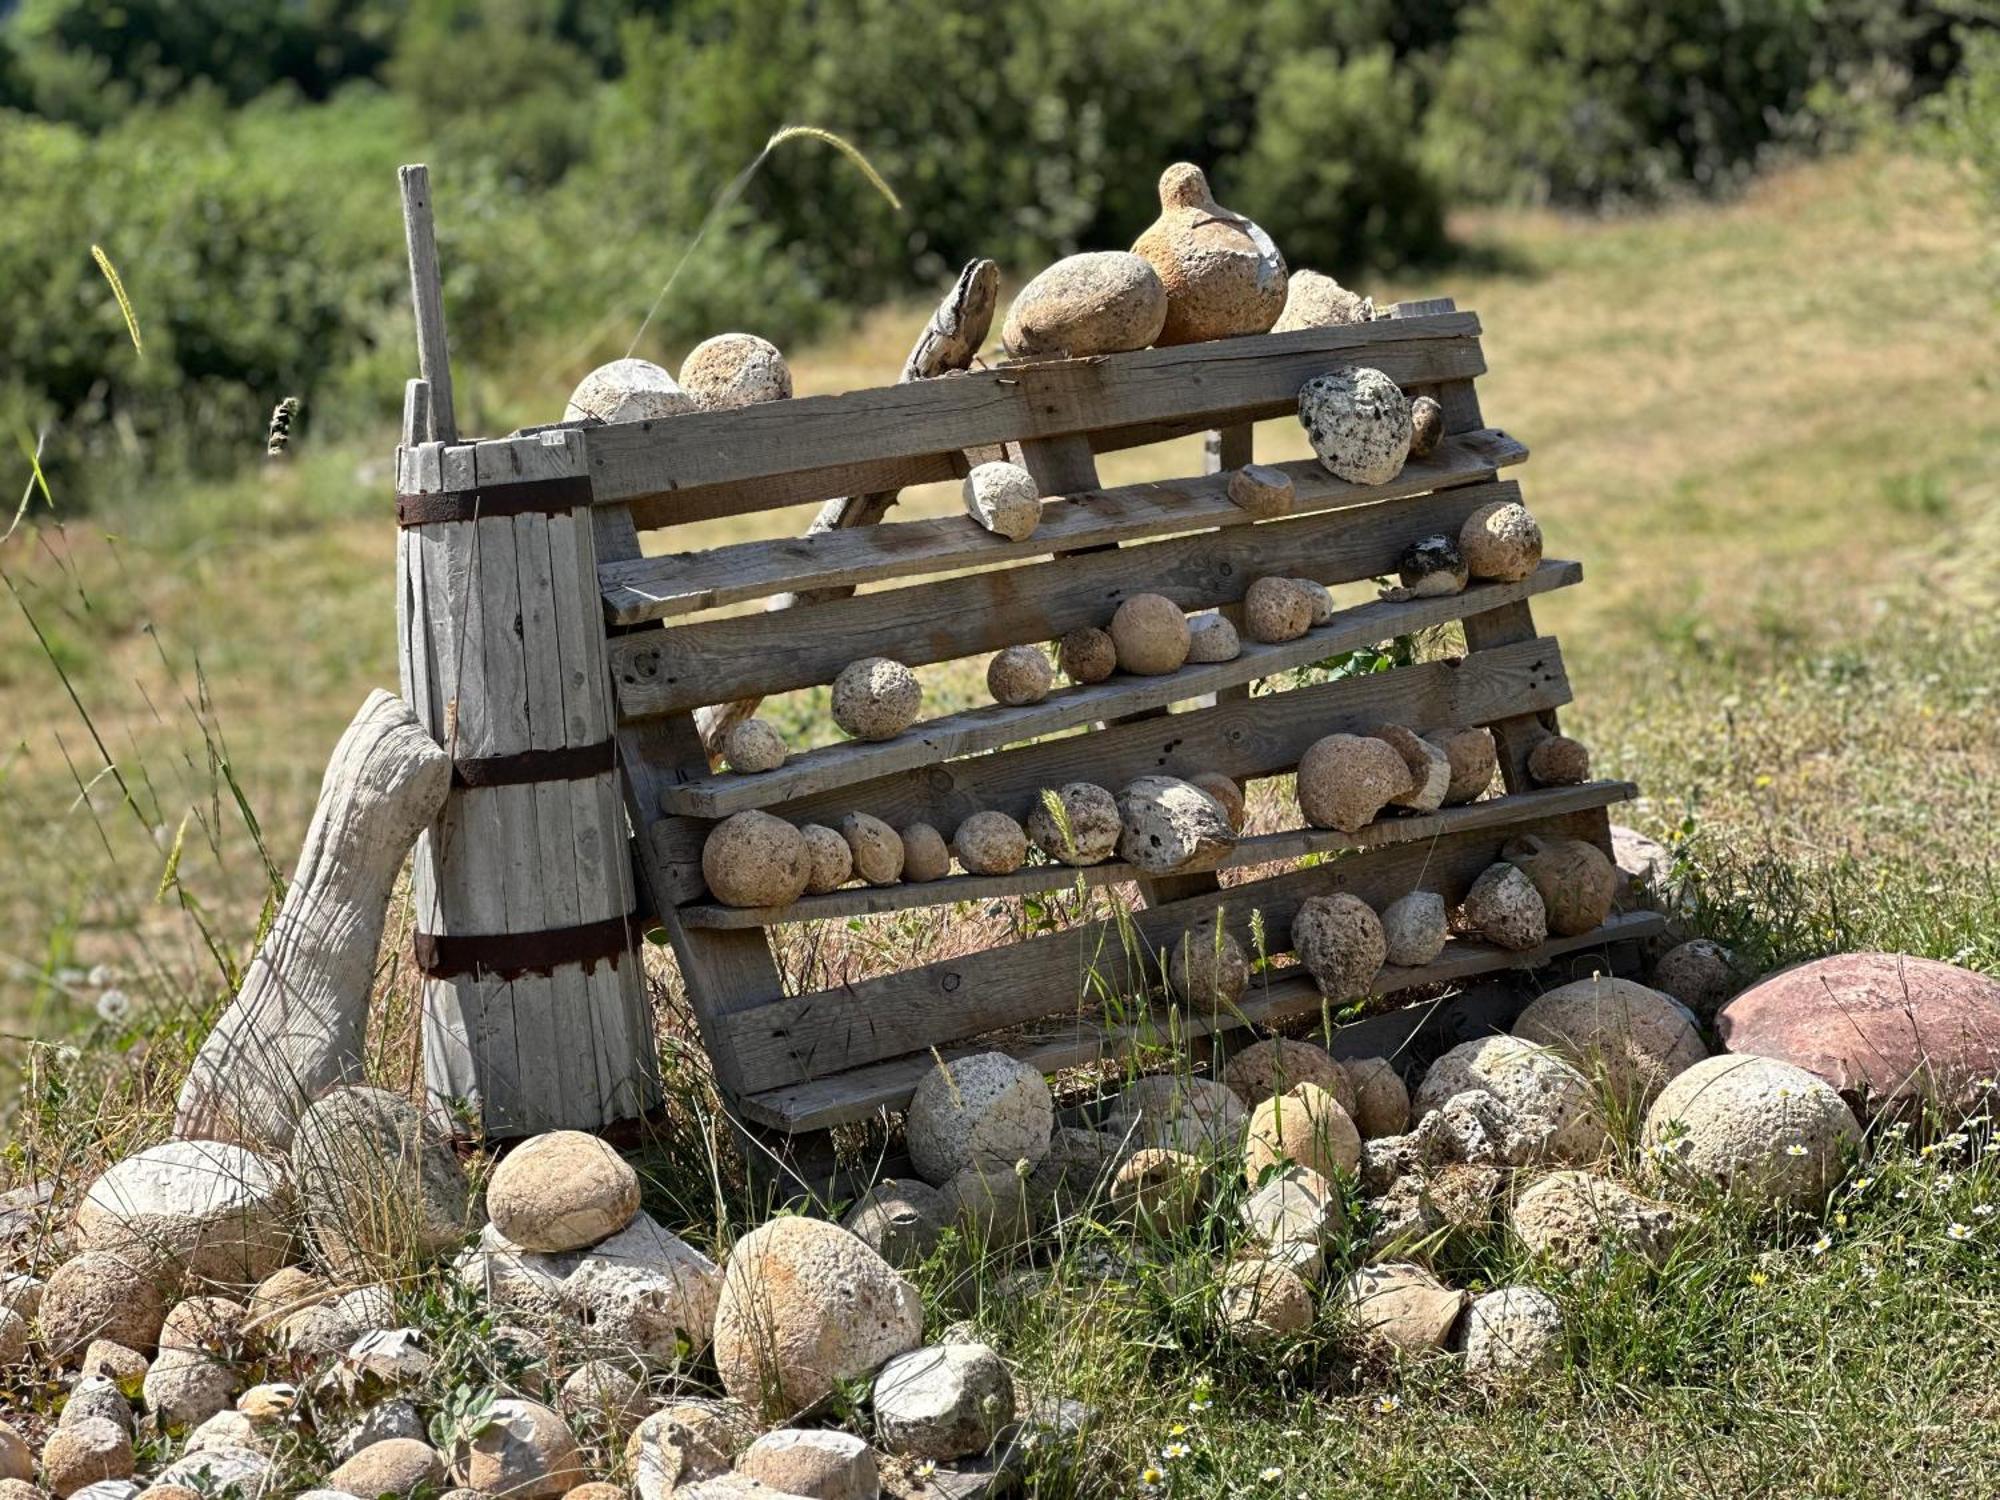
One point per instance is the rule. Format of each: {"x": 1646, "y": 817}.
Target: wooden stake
{"x": 427, "y": 298}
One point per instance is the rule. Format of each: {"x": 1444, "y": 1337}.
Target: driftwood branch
{"x": 948, "y": 344}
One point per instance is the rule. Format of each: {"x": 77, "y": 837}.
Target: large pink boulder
{"x": 1889, "y": 1032}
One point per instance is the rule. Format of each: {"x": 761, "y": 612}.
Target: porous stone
{"x": 1768, "y": 1132}
{"x": 285, "y": 1291}
{"x": 22, "y": 1489}
{"x": 215, "y": 1210}
{"x": 603, "y": 1394}
{"x": 990, "y": 843}
{"x": 1631, "y": 1038}
{"x": 98, "y": 1295}
{"x": 900, "y": 1220}
{"x": 685, "y": 1443}
{"x": 1177, "y": 1113}
{"x": 1075, "y": 1171}
{"x": 1573, "y": 1219}
{"x": 1306, "y": 1126}
{"x": 1212, "y": 638}
{"x": 829, "y": 862}
{"x": 1003, "y": 498}
{"x": 1401, "y": 1221}
{"x": 1020, "y": 675}
{"x": 1100, "y": 302}
{"x": 96, "y": 1396}
{"x": 986, "y": 1110}
{"x": 876, "y": 848}
{"x": 991, "y": 1209}
{"x": 1474, "y": 761}
{"x": 363, "y": 1309}
{"x": 1262, "y": 491}
{"x": 753, "y": 747}
{"x": 185, "y": 1387}
{"x": 86, "y": 1453}
{"x": 1319, "y": 598}
{"x": 1087, "y": 655}
{"x": 814, "y": 1463}
{"x": 1414, "y": 928}
{"x": 1227, "y": 794}
{"x": 1699, "y": 973}
{"x": 805, "y": 1305}
{"x": 1478, "y": 1129}
{"x": 1501, "y": 542}
{"x": 204, "y": 1325}
{"x": 1082, "y": 828}
{"x": 1160, "y": 1190}
{"x": 1169, "y": 827}
{"x": 1576, "y": 880}
{"x": 1513, "y": 1334}
{"x": 1207, "y": 968}
{"x": 627, "y": 390}
{"x": 597, "y": 1489}
{"x": 1426, "y": 426}
{"x": 565, "y": 1190}
{"x": 925, "y": 854}
{"x": 1429, "y": 767}
{"x": 1432, "y": 567}
{"x": 1150, "y": 635}
{"x": 221, "y": 1474}
{"x": 943, "y": 1402}
{"x": 1339, "y": 940}
{"x": 733, "y": 370}
{"x": 1504, "y": 907}
{"x": 1404, "y": 1306}
{"x": 1222, "y": 274}
{"x": 395, "y": 1466}
{"x": 1381, "y": 1099}
{"x": 1358, "y": 422}
{"x": 1345, "y": 780}
{"x": 380, "y": 1189}
{"x": 1551, "y": 1101}
{"x": 876, "y": 698}
{"x": 1558, "y": 760}
{"x": 1315, "y": 300}
{"x": 1263, "y": 1302}
{"x": 524, "y": 1451}
{"x": 1276, "y": 610}
{"x": 753, "y": 859}
{"x": 1279, "y": 1064}
{"x": 1293, "y": 1218}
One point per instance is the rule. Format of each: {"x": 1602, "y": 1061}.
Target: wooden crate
{"x": 793, "y": 1063}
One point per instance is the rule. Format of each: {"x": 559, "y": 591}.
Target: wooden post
{"x": 427, "y": 298}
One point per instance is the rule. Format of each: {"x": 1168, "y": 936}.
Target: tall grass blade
{"x": 118, "y": 290}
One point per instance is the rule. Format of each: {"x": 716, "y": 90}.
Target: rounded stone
{"x": 1315, "y": 300}
{"x": 990, "y": 1208}
{"x": 602, "y": 1393}
{"x": 597, "y": 1489}
{"x": 1087, "y": 655}
{"x": 395, "y": 1466}
{"x": 943, "y": 1402}
{"x": 562, "y": 1191}
{"x": 990, "y": 843}
{"x": 1339, "y": 941}
{"x": 1426, "y": 427}
{"x": 806, "y": 1305}
{"x": 900, "y": 1220}
{"x": 627, "y": 390}
{"x": 1699, "y": 973}
{"x": 204, "y": 1325}
{"x": 1475, "y": 760}
{"x": 1176, "y": 1113}
{"x": 1414, "y": 929}
{"x": 1319, "y": 599}
{"x": 1276, "y": 610}
{"x": 1074, "y": 1171}
{"x": 1262, "y": 491}
{"x": 220, "y": 1473}
{"x": 1573, "y": 1219}
{"x": 926, "y": 856}
{"x": 1558, "y": 760}
{"x": 13, "y": 1338}
{"x": 1381, "y": 1098}
{"x": 1160, "y": 1190}
{"x": 1020, "y": 675}
{"x": 815, "y": 1463}
{"x": 1306, "y": 1127}
{"x": 1551, "y": 1102}
{"x": 1003, "y": 498}
{"x": 876, "y": 698}
{"x": 1168, "y": 827}
{"x": 98, "y": 1295}
{"x": 285, "y": 1291}
{"x": 379, "y": 1423}
{"x": 1082, "y": 828}
{"x": 1512, "y": 1334}
{"x": 733, "y": 370}
{"x": 17, "y": 1464}
{"x": 1100, "y": 302}
{"x": 1150, "y": 635}
{"x": 1631, "y": 1038}
{"x": 89, "y": 1452}
{"x": 524, "y": 1451}
{"x": 215, "y": 1210}
{"x": 754, "y": 859}
{"x": 1358, "y": 422}
{"x": 1227, "y": 794}
{"x": 1888, "y": 1031}
{"x": 685, "y": 1443}
{"x": 1576, "y": 881}
{"x": 185, "y": 1387}
{"x": 752, "y": 748}
{"x": 1207, "y": 968}
{"x": 1222, "y": 274}
{"x": 1345, "y": 780}
{"x": 1501, "y": 542}
{"x": 25, "y": 1489}
{"x": 1764, "y": 1130}
{"x": 1504, "y": 907}
{"x": 1279, "y": 1064}
{"x": 1432, "y": 567}
{"x": 21, "y": 1294}
{"x": 1429, "y": 767}
{"x": 830, "y": 863}
{"x": 1212, "y": 638}
{"x": 1404, "y": 1306}
{"x": 876, "y": 848}
{"x": 382, "y": 1191}
{"x": 124, "y": 1368}
{"x": 988, "y": 1110}
{"x": 1263, "y": 1302}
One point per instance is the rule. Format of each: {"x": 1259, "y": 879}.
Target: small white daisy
{"x": 1958, "y": 1232}
{"x": 1271, "y": 1474}
{"x": 1821, "y": 1245}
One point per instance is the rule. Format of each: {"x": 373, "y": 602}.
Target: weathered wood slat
{"x": 654, "y": 588}
{"x": 713, "y": 661}
{"x": 1243, "y": 740}
{"x": 855, "y": 1095}
{"x": 698, "y": 463}
{"x": 791, "y": 1040}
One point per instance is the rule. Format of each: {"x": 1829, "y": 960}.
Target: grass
{"x": 1766, "y": 430}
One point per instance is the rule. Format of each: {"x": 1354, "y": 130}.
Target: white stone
{"x": 1003, "y": 498}
{"x": 1513, "y": 1333}
{"x": 987, "y": 1110}
{"x": 1358, "y": 422}
{"x": 1293, "y": 1217}
{"x": 943, "y": 1402}
{"x": 1170, "y": 827}
{"x": 1552, "y": 1103}
{"x": 1768, "y": 1132}
{"x": 216, "y": 1209}
{"x": 627, "y": 390}
{"x": 1171, "y": 1113}
{"x": 239, "y": 1473}
{"x": 1414, "y": 928}
{"x": 820, "y": 1463}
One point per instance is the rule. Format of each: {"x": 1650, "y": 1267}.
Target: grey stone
{"x": 944, "y": 1401}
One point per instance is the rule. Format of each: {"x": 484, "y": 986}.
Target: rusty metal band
{"x": 510, "y": 955}
{"x": 572, "y": 763}
{"x": 522, "y": 497}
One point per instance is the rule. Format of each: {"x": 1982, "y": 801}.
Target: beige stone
{"x": 212, "y": 1209}
{"x": 1020, "y": 675}
{"x": 1345, "y": 780}
{"x": 1101, "y": 302}
{"x": 1381, "y": 1098}
{"x": 925, "y": 853}
{"x": 1338, "y": 938}
{"x": 1573, "y": 1219}
{"x": 1768, "y": 1133}
{"x": 1082, "y": 828}
{"x": 1474, "y": 761}
{"x": 1227, "y": 794}
{"x": 1426, "y": 426}
{"x": 1087, "y": 655}
{"x": 1630, "y": 1038}
{"x": 986, "y": 1110}
{"x": 1404, "y": 1306}
{"x": 1306, "y": 1127}
{"x": 1168, "y": 827}
{"x": 1552, "y": 1104}
{"x": 1150, "y": 634}
{"x": 1262, "y": 490}
{"x": 524, "y": 1452}
{"x": 98, "y": 1295}
{"x": 1003, "y": 498}
{"x": 877, "y": 848}
{"x": 754, "y": 859}
{"x": 1576, "y": 880}
{"x": 1278, "y": 1064}
{"x": 87, "y": 1453}
{"x": 1316, "y": 300}
{"x": 1160, "y": 1190}
{"x": 876, "y": 698}
{"x": 1211, "y": 638}
{"x": 1263, "y": 1302}
{"x": 1504, "y": 907}
{"x": 395, "y": 1466}
{"x": 627, "y": 390}
{"x": 1207, "y": 968}
{"x": 753, "y": 747}
{"x": 1276, "y": 610}
{"x": 565, "y": 1190}
{"x": 1428, "y": 765}
{"x": 733, "y": 370}
{"x": 1558, "y": 760}
{"x": 830, "y": 863}
{"x": 1501, "y": 542}
{"x": 1222, "y": 274}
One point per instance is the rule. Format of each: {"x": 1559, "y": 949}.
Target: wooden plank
{"x": 1514, "y": 737}
{"x": 1121, "y": 696}
{"x": 1458, "y": 397}
{"x": 1258, "y": 849}
{"x": 712, "y": 661}
{"x": 840, "y": 1098}
{"x": 427, "y": 298}
{"x": 843, "y": 437}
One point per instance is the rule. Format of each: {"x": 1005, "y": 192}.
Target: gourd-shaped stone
{"x": 1223, "y": 274}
